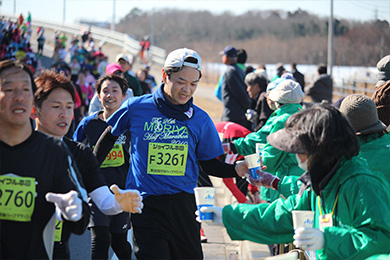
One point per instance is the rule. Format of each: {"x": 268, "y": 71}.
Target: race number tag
{"x": 325, "y": 221}
{"x": 17, "y": 198}
{"x": 115, "y": 158}
{"x": 58, "y": 232}
{"x": 167, "y": 159}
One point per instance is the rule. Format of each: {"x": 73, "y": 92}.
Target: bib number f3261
{"x": 167, "y": 159}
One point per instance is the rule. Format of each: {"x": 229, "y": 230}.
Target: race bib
{"x": 17, "y": 198}
{"x": 115, "y": 158}
{"x": 58, "y": 232}
{"x": 167, "y": 159}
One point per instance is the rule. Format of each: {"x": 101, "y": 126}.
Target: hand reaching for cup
{"x": 242, "y": 168}
{"x": 128, "y": 200}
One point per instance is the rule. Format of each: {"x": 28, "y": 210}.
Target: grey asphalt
{"x": 218, "y": 247}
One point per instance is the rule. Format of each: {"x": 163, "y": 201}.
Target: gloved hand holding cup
{"x": 306, "y": 237}
{"x": 204, "y": 197}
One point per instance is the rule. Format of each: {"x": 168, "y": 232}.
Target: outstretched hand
{"x": 128, "y": 200}
{"x": 69, "y": 204}
{"x": 242, "y": 169}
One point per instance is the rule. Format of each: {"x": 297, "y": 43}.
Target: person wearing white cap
{"x": 285, "y": 99}
{"x": 169, "y": 136}
{"x": 126, "y": 62}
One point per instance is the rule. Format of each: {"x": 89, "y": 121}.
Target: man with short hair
{"x": 53, "y": 112}
{"x": 241, "y": 59}
{"x": 322, "y": 87}
{"x": 37, "y": 175}
{"x": 112, "y": 230}
{"x": 126, "y": 63}
{"x": 235, "y": 99}
{"x": 256, "y": 88}
{"x": 169, "y": 136}
{"x": 298, "y": 76}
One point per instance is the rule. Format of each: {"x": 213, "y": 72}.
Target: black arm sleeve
{"x": 104, "y": 145}
{"x": 217, "y": 168}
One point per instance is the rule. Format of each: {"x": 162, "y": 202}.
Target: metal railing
{"x": 121, "y": 40}
{"x": 342, "y": 88}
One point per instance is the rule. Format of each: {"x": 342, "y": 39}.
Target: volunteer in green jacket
{"x": 285, "y": 99}
{"x": 351, "y": 203}
{"x": 373, "y": 138}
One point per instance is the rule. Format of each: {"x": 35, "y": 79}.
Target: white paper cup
{"x": 253, "y": 164}
{"x": 204, "y": 196}
{"x": 303, "y": 218}
{"x": 289, "y": 256}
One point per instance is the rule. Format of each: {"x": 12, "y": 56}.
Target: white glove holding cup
{"x": 69, "y": 204}
{"x": 217, "y": 215}
{"x": 309, "y": 238}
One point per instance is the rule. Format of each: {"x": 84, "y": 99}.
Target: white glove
{"x": 309, "y": 238}
{"x": 129, "y": 200}
{"x": 217, "y": 215}
{"x": 69, "y": 204}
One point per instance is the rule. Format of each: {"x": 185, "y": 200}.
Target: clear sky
{"x": 102, "y": 10}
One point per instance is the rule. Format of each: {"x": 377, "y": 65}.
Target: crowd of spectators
{"x": 84, "y": 62}
{"x": 15, "y": 41}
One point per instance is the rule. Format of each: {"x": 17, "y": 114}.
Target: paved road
{"x": 219, "y": 246}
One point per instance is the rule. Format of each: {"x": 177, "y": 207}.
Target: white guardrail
{"x": 121, "y": 40}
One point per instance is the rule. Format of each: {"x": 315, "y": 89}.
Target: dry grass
{"x": 214, "y": 109}
{"x": 212, "y": 106}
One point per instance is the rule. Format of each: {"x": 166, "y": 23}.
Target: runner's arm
{"x": 217, "y": 168}
{"x": 104, "y": 145}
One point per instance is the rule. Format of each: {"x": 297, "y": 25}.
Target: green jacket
{"x": 377, "y": 153}
{"x": 278, "y": 163}
{"x": 375, "y": 150}
{"x": 134, "y": 84}
{"x": 361, "y": 225}
{"x": 379, "y": 257}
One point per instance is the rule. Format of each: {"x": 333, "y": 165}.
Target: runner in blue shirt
{"x": 169, "y": 135}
